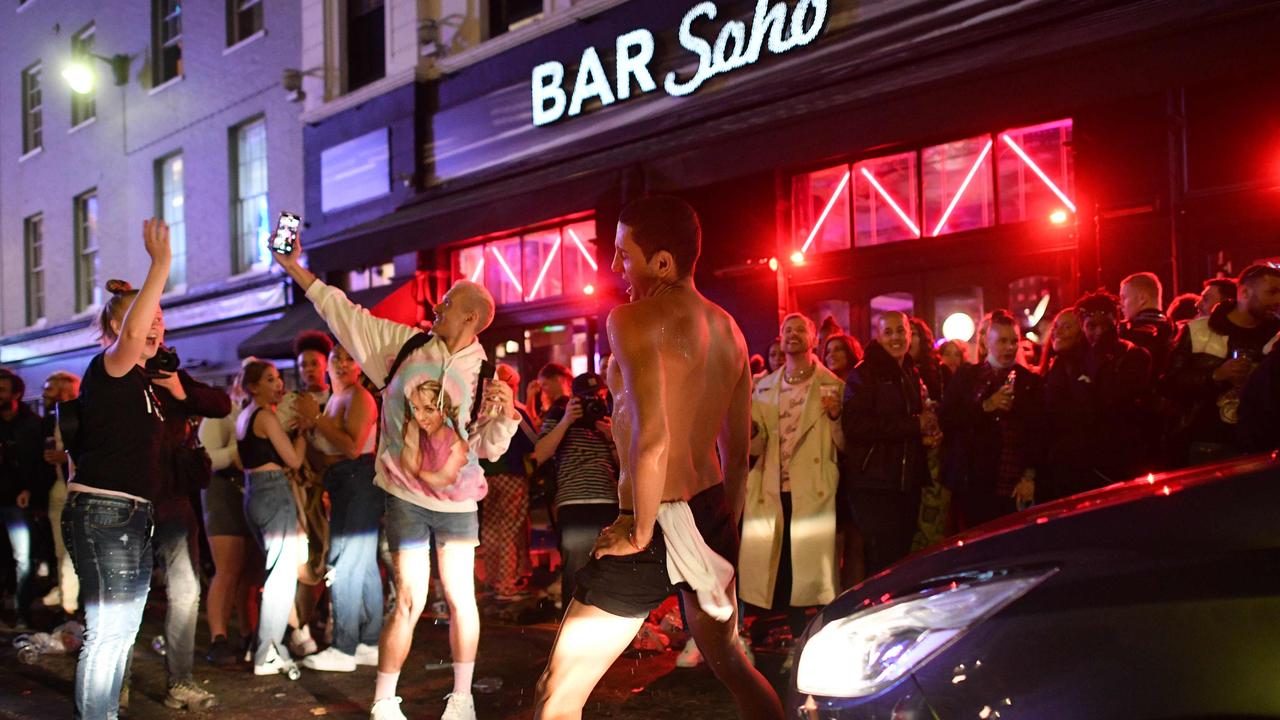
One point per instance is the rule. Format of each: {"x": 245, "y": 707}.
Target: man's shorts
{"x": 634, "y": 585}
{"x": 410, "y": 527}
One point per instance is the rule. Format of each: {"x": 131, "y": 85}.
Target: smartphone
{"x": 286, "y": 234}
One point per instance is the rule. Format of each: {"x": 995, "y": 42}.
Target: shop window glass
{"x": 579, "y": 258}
{"x": 820, "y": 206}
{"x": 886, "y": 201}
{"x": 502, "y": 271}
{"x": 902, "y": 302}
{"x": 468, "y": 264}
{"x": 542, "y": 258}
{"x": 1037, "y": 171}
{"x": 1034, "y": 300}
{"x": 957, "y": 186}
{"x": 956, "y": 316}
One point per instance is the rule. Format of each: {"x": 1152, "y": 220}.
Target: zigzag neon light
{"x": 542, "y": 274}
{"x": 884, "y": 194}
{"x": 479, "y": 269}
{"x": 825, "y": 212}
{"x": 963, "y": 186}
{"x": 1036, "y": 169}
{"x": 583, "y": 248}
{"x": 507, "y": 269}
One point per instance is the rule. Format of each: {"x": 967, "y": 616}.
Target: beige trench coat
{"x": 814, "y": 473}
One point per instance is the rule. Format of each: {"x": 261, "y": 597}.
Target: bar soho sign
{"x": 782, "y": 26}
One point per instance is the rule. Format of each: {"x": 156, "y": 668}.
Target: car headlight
{"x": 870, "y": 650}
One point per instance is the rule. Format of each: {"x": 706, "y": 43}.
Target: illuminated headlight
{"x": 868, "y": 651}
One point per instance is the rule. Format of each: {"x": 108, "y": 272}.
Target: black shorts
{"x": 635, "y": 585}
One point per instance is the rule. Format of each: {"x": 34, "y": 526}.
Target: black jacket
{"x": 1259, "y": 426}
{"x": 21, "y": 455}
{"x": 202, "y": 401}
{"x": 881, "y": 423}
{"x": 973, "y": 440}
{"x": 1153, "y": 332}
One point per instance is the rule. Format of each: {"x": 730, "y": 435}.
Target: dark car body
{"x": 1165, "y": 603}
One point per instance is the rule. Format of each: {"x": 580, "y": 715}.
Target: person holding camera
{"x": 118, "y": 451}
{"x": 577, "y": 432}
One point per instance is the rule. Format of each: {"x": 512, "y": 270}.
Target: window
{"x": 244, "y": 19}
{"x": 820, "y": 201}
{"x": 33, "y": 244}
{"x": 252, "y": 226}
{"x": 1036, "y": 171}
{"x": 83, "y": 106}
{"x": 166, "y": 31}
{"x": 88, "y": 293}
{"x": 508, "y": 15}
{"x": 957, "y": 186}
{"x": 32, "y": 114}
{"x": 542, "y": 264}
{"x": 169, "y": 207}
{"x": 1033, "y": 300}
{"x": 366, "y": 42}
{"x": 886, "y": 202}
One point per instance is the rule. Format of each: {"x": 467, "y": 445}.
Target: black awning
{"x": 275, "y": 341}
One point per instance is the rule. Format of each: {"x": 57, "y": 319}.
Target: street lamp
{"x": 80, "y": 76}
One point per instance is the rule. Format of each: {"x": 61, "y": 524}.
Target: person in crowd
{"x": 796, "y": 432}
{"x": 343, "y": 436}
{"x": 827, "y": 329}
{"x": 1125, "y": 426}
{"x": 267, "y": 454}
{"x": 236, "y": 575}
{"x": 183, "y": 401}
{"x": 60, "y": 386}
{"x": 117, "y": 452}
{"x": 1215, "y": 291}
{"x": 587, "y": 468}
{"x": 419, "y": 508}
{"x": 535, "y": 403}
{"x": 775, "y": 357}
{"x": 1259, "y": 426}
{"x": 679, "y": 501}
{"x": 1069, "y": 408}
{"x": 1183, "y": 308}
{"x": 927, "y": 360}
{"x": 556, "y": 382}
{"x": 1212, "y": 361}
{"x": 756, "y": 364}
{"x": 991, "y": 423}
{"x": 841, "y": 353}
{"x": 951, "y": 355}
{"x": 21, "y": 472}
{"x": 1145, "y": 324}
{"x": 887, "y": 421}
{"x": 311, "y": 349}
{"x": 504, "y": 518}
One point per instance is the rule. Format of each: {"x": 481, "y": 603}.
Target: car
{"x": 1154, "y": 598}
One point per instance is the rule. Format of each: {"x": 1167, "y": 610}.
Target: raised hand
{"x": 155, "y": 237}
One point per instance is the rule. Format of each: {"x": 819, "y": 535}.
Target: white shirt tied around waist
{"x": 691, "y": 560}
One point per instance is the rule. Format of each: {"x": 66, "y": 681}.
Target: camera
{"x": 586, "y": 388}
{"x": 164, "y": 361}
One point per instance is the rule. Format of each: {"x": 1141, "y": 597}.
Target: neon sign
{"x": 779, "y": 26}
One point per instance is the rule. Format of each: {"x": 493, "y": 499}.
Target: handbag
{"x": 192, "y": 466}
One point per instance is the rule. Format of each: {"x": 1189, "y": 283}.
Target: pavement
{"x": 644, "y": 684}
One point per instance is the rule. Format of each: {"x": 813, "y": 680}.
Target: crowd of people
{"x": 321, "y": 507}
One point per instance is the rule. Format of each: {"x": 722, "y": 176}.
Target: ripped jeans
{"x": 109, "y": 539}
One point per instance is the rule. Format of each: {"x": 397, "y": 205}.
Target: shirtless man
{"x": 674, "y": 495}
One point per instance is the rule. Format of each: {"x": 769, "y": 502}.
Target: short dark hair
{"x": 1257, "y": 271}
{"x": 1184, "y": 307}
{"x": 1226, "y": 286}
{"x": 1001, "y": 317}
{"x": 312, "y": 340}
{"x": 663, "y": 222}
{"x": 555, "y": 370}
{"x": 1099, "y": 301}
{"x": 15, "y": 381}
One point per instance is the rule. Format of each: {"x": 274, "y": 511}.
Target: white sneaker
{"x": 273, "y": 665}
{"x": 746, "y": 649}
{"x": 690, "y": 656}
{"x": 460, "y": 707}
{"x": 386, "y": 709}
{"x": 331, "y": 660}
{"x": 301, "y": 643}
{"x": 367, "y": 655}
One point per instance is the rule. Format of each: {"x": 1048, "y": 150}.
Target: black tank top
{"x": 257, "y": 451}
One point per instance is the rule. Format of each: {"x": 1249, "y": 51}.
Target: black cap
{"x": 587, "y": 384}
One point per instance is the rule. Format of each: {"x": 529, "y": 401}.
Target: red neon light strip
{"x": 963, "y": 186}
{"x": 1036, "y": 169}
{"x": 542, "y": 274}
{"x": 586, "y": 255}
{"x": 884, "y": 194}
{"x": 507, "y": 269}
{"x": 479, "y": 269}
{"x": 825, "y": 212}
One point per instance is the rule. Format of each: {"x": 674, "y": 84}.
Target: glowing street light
{"x": 958, "y": 326}
{"x": 589, "y": 290}
{"x": 797, "y": 258}
{"x": 1058, "y": 217}
{"x": 79, "y": 77}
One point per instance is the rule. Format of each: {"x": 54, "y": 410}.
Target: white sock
{"x": 385, "y": 686}
{"x": 462, "y": 674}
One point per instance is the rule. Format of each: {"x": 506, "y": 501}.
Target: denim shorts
{"x": 410, "y": 527}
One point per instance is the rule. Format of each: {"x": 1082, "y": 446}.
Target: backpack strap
{"x": 411, "y": 345}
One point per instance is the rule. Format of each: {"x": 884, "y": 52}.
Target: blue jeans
{"x": 356, "y": 586}
{"x": 18, "y": 531}
{"x": 109, "y": 540}
{"x": 271, "y": 510}
{"x": 175, "y": 551}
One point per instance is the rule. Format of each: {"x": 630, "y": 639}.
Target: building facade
{"x": 846, "y": 157}
{"x": 186, "y": 120}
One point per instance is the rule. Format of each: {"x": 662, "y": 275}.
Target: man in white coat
{"x": 788, "y": 558}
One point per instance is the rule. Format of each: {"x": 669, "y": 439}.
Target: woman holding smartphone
{"x": 267, "y": 455}
{"x": 108, "y": 518}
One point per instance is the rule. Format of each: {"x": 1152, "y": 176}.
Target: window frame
{"x": 234, "y": 9}
{"x": 84, "y": 107}
{"x": 86, "y": 250}
{"x": 177, "y": 230}
{"x": 32, "y": 113}
{"x": 240, "y": 260}
{"x": 33, "y": 271}
{"x": 161, "y": 42}
{"x": 569, "y": 243}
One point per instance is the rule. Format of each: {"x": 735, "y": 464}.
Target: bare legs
{"x": 228, "y": 562}
{"x": 718, "y": 642}
{"x": 588, "y": 642}
{"x": 457, "y": 573}
{"x": 412, "y": 579}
